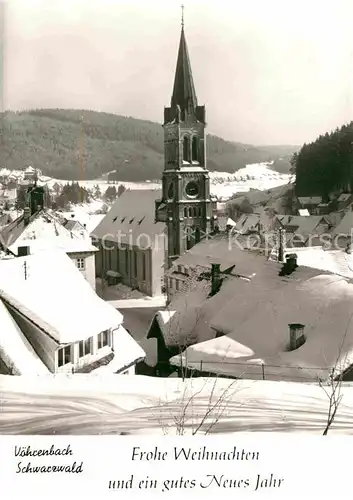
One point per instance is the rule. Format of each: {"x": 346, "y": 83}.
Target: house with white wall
{"x": 68, "y": 326}
{"x": 44, "y": 231}
{"x": 131, "y": 243}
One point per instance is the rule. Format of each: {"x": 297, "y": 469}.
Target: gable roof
{"x": 255, "y": 322}
{"x": 310, "y": 200}
{"x": 131, "y": 220}
{"x": 303, "y": 226}
{"x": 345, "y": 226}
{"x": 44, "y": 231}
{"x": 48, "y": 289}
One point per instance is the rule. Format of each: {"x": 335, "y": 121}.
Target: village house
{"x": 131, "y": 244}
{"x": 308, "y": 202}
{"x": 67, "y": 325}
{"x": 237, "y": 314}
{"x": 343, "y": 232}
{"x": 193, "y": 295}
{"x": 38, "y": 229}
{"x": 303, "y": 230}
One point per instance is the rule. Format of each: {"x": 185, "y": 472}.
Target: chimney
{"x": 23, "y": 251}
{"x": 290, "y": 264}
{"x": 215, "y": 278}
{"x": 281, "y": 244}
{"x": 26, "y": 215}
{"x": 296, "y": 336}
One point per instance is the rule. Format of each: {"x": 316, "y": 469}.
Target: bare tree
{"x": 333, "y": 385}
{"x": 189, "y": 413}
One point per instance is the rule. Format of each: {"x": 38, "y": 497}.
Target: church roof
{"x": 184, "y": 89}
{"x": 131, "y": 220}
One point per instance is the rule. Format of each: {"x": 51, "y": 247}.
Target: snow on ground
{"x": 223, "y": 184}
{"x": 90, "y": 404}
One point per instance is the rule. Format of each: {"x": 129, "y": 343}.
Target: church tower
{"x": 186, "y": 206}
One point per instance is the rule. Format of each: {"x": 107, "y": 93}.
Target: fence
{"x": 257, "y": 371}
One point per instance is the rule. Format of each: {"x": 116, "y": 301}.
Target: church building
{"x": 186, "y": 206}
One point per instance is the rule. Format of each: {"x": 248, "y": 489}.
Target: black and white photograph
{"x": 176, "y": 218}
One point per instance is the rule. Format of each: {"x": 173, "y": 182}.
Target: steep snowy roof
{"x": 44, "y": 231}
{"x": 132, "y": 219}
{"x": 15, "y": 351}
{"x": 256, "y": 323}
{"x": 49, "y": 289}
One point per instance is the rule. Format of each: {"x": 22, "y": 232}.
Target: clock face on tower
{"x": 192, "y": 189}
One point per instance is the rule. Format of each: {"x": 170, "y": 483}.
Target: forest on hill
{"x": 325, "y": 166}
{"x": 71, "y": 144}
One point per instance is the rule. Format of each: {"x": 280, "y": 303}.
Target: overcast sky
{"x": 269, "y": 72}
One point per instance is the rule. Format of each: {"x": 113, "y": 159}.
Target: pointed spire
{"x": 184, "y": 93}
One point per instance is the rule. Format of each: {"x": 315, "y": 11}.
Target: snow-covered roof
{"x": 255, "y": 320}
{"x": 334, "y": 261}
{"x": 345, "y": 226}
{"x": 151, "y": 405}
{"x": 15, "y": 350}
{"x": 43, "y": 232}
{"x": 303, "y": 212}
{"x": 309, "y": 200}
{"x": 219, "y": 250}
{"x": 344, "y": 197}
{"x": 49, "y": 289}
{"x": 131, "y": 220}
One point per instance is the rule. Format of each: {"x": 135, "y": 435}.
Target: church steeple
{"x": 185, "y": 206}
{"x": 184, "y": 94}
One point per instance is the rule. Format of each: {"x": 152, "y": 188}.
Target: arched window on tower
{"x": 186, "y": 149}
{"x": 195, "y": 149}
{"x": 185, "y": 212}
{"x": 190, "y": 211}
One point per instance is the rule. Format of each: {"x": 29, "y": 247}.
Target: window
{"x": 135, "y": 263}
{"x": 80, "y": 264}
{"x": 186, "y": 149}
{"x": 195, "y": 148}
{"x": 85, "y": 347}
{"x": 185, "y": 212}
{"x": 64, "y": 355}
{"x": 103, "y": 339}
{"x": 144, "y": 258}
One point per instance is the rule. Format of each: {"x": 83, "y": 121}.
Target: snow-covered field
{"x": 223, "y": 184}
{"x": 89, "y": 404}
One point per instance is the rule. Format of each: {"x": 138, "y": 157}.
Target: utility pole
{"x": 81, "y": 154}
